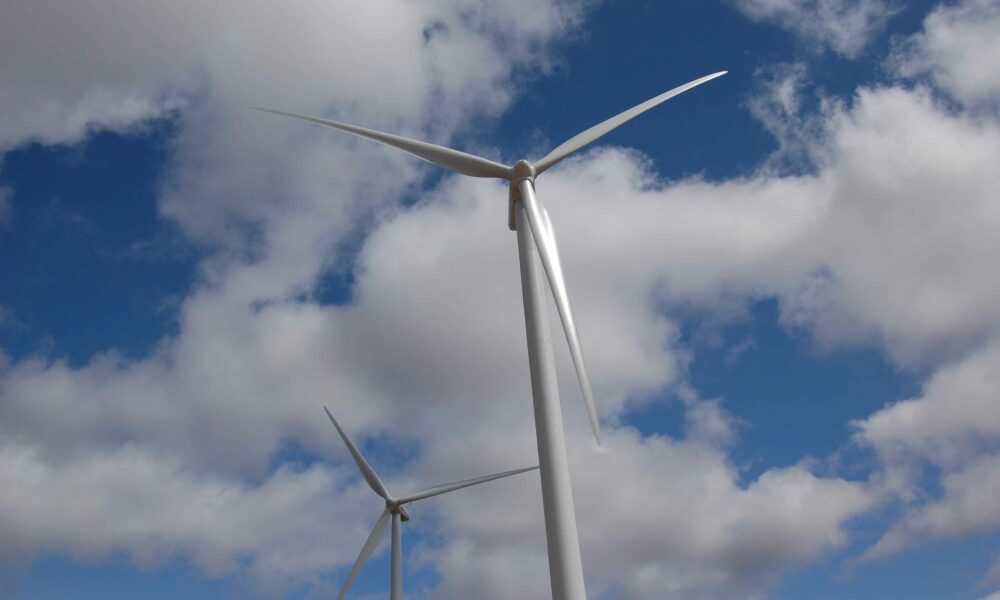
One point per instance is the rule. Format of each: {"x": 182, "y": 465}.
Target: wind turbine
{"x": 536, "y": 239}
{"x": 396, "y": 511}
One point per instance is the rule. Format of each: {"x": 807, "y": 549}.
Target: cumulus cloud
{"x": 107, "y": 66}
{"x": 845, "y": 26}
{"x": 955, "y": 425}
{"x": 955, "y": 418}
{"x": 659, "y": 518}
{"x": 154, "y": 509}
{"x": 777, "y": 105}
{"x": 966, "y": 507}
{"x": 959, "y": 50}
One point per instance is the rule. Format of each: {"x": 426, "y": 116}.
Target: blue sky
{"x": 784, "y": 282}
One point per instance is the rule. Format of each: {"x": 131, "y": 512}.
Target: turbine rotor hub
{"x": 396, "y": 508}
{"x": 521, "y": 170}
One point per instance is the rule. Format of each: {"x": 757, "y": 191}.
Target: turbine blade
{"x": 366, "y": 470}
{"x": 582, "y": 139}
{"x": 366, "y": 551}
{"x": 451, "y": 487}
{"x": 453, "y": 160}
{"x": 541, "y": 231}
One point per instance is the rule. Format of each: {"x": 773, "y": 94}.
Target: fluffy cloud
{"x": 845, "y": 26}
{"x": 966, "y": 507}
{"x": 953, "y": 420}
{"x": 154, "y": 509}
{"x": 954, "y": 425}
{"x": 108, "y": 66}
{"x": 959, "y": 50}
{"x": 659, "y": 518}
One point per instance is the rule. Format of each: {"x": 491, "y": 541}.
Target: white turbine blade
{"x": 541, "y": 231}
{"x": 366, "y": 470}
{"x": 582, "y": 139}
{"x": 453, "y": 160}
{"x": 451, "y": 487}
{"x": 366, "y": 551}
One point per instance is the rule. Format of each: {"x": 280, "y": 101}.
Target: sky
{"x": 784, "y": 281}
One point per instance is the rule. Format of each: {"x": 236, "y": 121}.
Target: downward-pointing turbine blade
{"x": 366, "y": 551}
{"x": 582, "y": 139}
{"x": 453, "y": 160}
{"x": 451, "y": 487}
{"x": 366, "y": 470}
{"x": 541, "y": 231}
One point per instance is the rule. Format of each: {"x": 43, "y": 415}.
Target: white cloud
{"x": 955, "y": 417}
{"x": 846, "y": 26}
{"x": 966, "y": 507}
{"x": 108, "y": 66}
{"x": 954, "y": 424}
{"x": 154, "y": 509}
{"x": 907, "y": 238}
{"x": 959, "y": 49}
{"x": 657, "y": 518}
{"x": 777, "y": 104}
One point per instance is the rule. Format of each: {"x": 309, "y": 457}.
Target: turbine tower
{"x": 536, "y": 240}
{"x": 396, "y": 511}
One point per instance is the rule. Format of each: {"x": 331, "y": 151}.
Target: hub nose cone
{"x": 522, "y": 170}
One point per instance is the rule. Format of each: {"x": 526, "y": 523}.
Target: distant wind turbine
{"x": 535, "y": 237}
{"x": 396, "y": 511}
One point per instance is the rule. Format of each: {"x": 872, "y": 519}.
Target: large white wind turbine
{"x": 535, "y": 236}
{"x": 395, "y": 509}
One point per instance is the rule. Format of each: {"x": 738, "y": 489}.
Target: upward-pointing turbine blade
{"x": 453, "y": 160}
{"x": 582, "y": 139}
{"x": 451, "y": 487}
{"x": 542, "y": 233}
{"x": 366, "y": 470}
{"x": 366, "y": 551}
